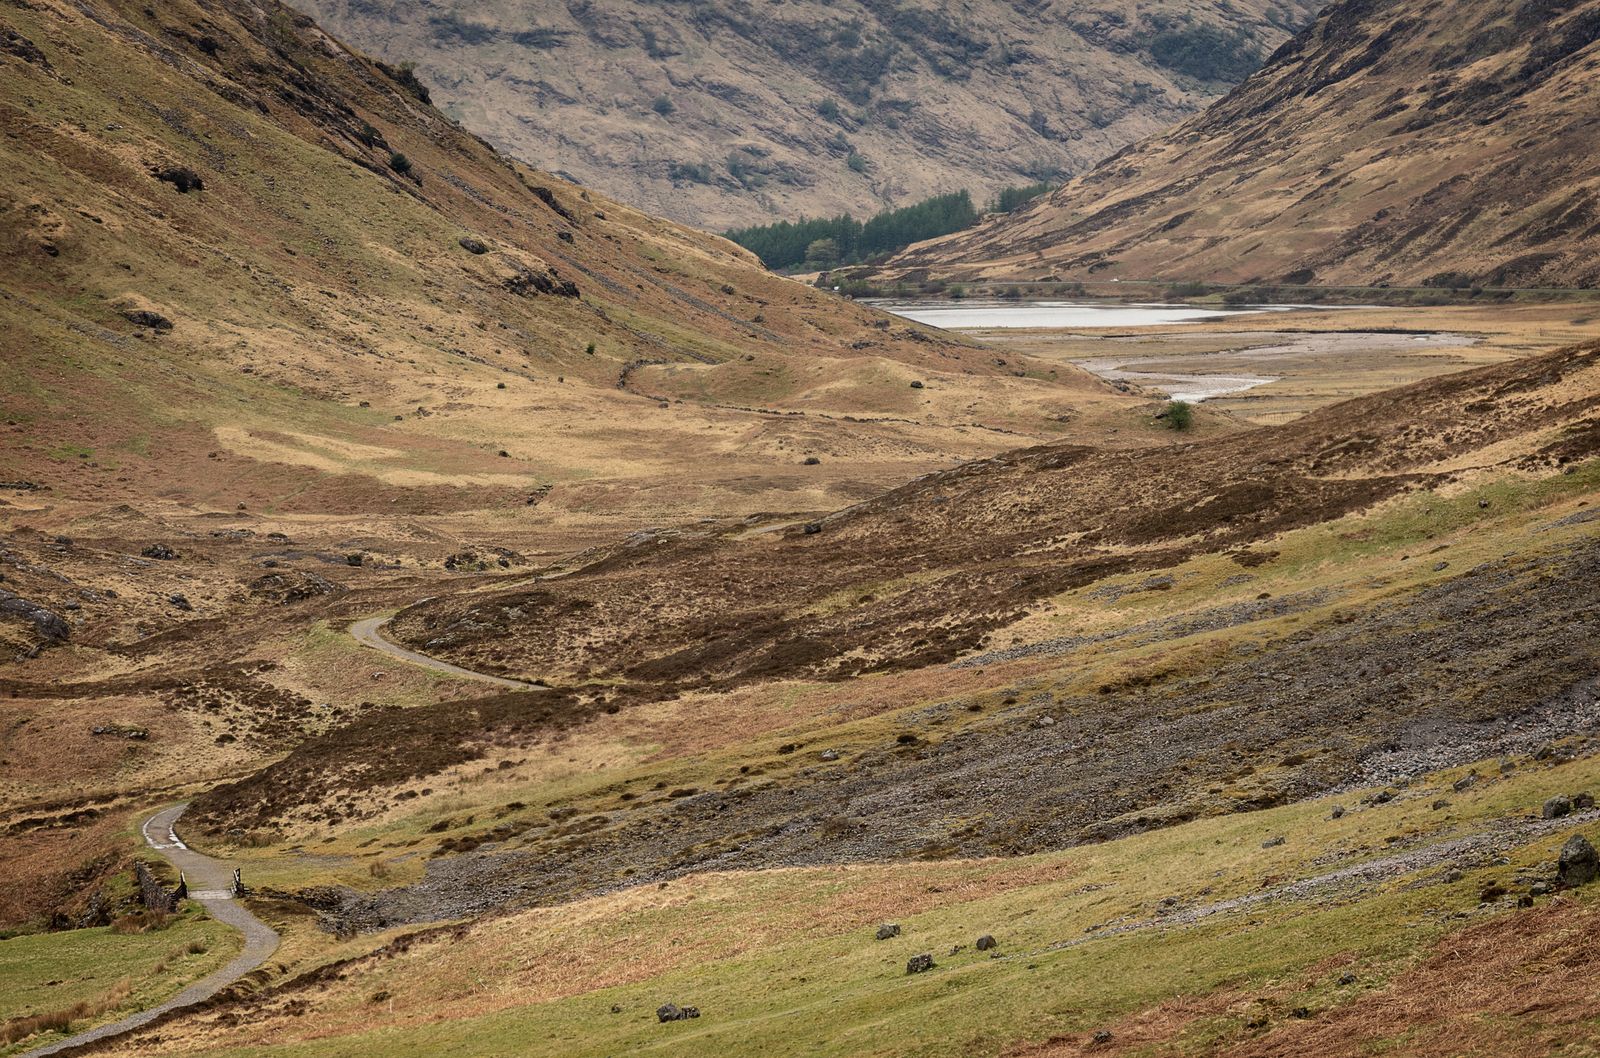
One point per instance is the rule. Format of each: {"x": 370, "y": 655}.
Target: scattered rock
{"x": 160, "y": 551}
{"x": 1337, "y": 813}
{"x": 1452, "y": 876}
{"x": 1491, "y": 892}
{"x": 1272, "y": 843}
{"x": 526, "y": 282}
{"x": 181, "y": 601}
{"x": 812, "y": 528}
{"x": 290, "y": 586}
{"x": 145, "y": 318}
{"x": 133, "y": 734}
{"x": 828, "y": 755}
{"x": 1100, "y": 1038}
{"x": 1465, "y": 782}
{"x": 672, "y": 1012}
{"x": 1578, "y": 865}
{"x": 1581, "y": 801}
{"x": 1540, "y": 889}
{"x": 353, "y": 559}
{"x": 917, "y": 384}
{"x": 1347, "y": 978}
{"x": 888, "y": 929}
{"x": 919, "y": 964}
{"x": 986, "y": 943}
{"x": 1440, "y": 803}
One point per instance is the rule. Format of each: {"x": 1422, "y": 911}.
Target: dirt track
{"x": 210, "y": 882}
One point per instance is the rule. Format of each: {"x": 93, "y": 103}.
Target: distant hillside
{"x": 722, "y": 114}
{"x": 1444, "y": 143}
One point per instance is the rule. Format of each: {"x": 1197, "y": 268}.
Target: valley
{"x": 585, "y": 641}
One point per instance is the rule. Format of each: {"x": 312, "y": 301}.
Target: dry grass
{"x": 18, "y": 1029}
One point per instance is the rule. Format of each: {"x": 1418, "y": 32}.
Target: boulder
{"x": 472, "y": 246}
{"x": 1578, "y": 865}
{"x": 160, "y": 551}
{"x": 919, "y": 964}
{"x": 673, "y": 1012}
{"x": 888, "y": 929}
{"x": 1558, "y": 806}
{"x": 986, "y": 943}
{"x": 48, "y": 625}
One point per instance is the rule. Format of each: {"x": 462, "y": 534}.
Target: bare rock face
{"x": 747, "y": 113}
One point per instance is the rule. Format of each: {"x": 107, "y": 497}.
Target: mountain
{"x": 1446, "y": 144}
{"x": 275, "y": 276}
{"x": 720, "y": 114}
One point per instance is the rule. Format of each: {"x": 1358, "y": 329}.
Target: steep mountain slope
{"x": 245, "y": 265}
{"x": 1390, "y": 143}
{"x": 720, "y": 114}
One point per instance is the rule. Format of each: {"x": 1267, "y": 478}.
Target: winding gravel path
{"x": 211, "y": 883}
{"x": 366, "y": 633}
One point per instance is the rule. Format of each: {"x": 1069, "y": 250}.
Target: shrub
{"x": 856, "y": 163}
{"x": 662, "y": 105}
{"x": 693, "y": 172}
{"x": 1179, "y": 415}
{"x": 828, "y": 109}
{"x": 405, "y": 75}
{"x": 400, "y": 163}
{"x": 1206, "y": 52}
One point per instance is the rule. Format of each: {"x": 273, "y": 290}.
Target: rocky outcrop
{"x": 48, "y": 625}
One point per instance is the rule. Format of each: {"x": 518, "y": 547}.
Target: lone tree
{"x": 823, "y": 251}
{"x": 1179, "y": 415}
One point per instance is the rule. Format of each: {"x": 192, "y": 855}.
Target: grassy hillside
{"x": 1404, "y": 144}
{"x": 722, "y": 115}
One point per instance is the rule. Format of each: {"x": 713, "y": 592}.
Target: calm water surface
{"x": 979, "y": 315}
